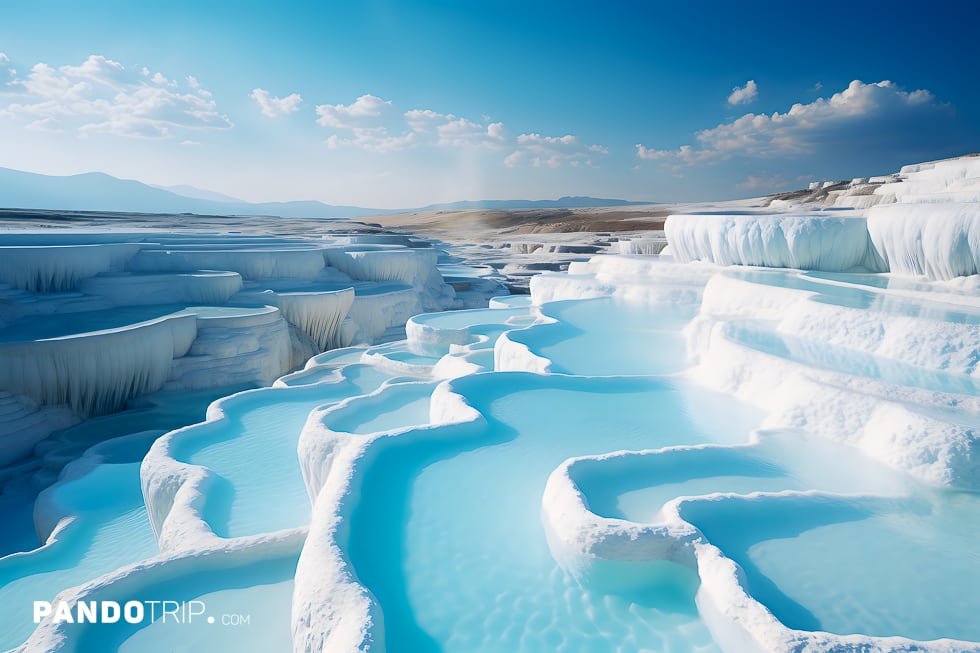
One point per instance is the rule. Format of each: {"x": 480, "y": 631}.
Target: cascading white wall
{"x": 60, "y": 268}
{"x": 921, "y": 221}
{"x": 250, "y": 263}
{"x": 641, "y": 246}
{"x": 97, "y": 372}
{"x": 936, "y": 240}
{"x": 374, "y": 313}
{"x": 832, "y": 243}
{"x": 417, "y": 267}
{"x": 318, "y": 314}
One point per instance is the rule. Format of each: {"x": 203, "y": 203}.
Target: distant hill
{"x": 199, "y": 193}
{"x": 97, "y": 191}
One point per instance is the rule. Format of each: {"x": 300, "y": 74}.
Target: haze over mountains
{"x": 97, "y": 191}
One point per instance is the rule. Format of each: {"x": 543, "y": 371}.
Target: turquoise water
{"x": 111, "y": 530}
{"x": 398, "y": 353}
{"x": 406, "y": 404}
{"x": 448, "y": 535}
{"x": 470, "y": 317}
{"x": 258, "y": 486}
{"x": 260, "y": 591}
{"x": 856, "y": 296}
{"x": 647, "y": 339}
{"x": 637, "y": 486}
{"x": 856, "y": 566}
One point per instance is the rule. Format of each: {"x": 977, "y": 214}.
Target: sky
{"x": 399, "y": 104}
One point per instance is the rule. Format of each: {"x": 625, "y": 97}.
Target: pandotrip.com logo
{"x": 133, "y": 612}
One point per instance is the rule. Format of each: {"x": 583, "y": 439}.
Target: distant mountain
{"x": 97, "y": 191}
{"x": 199, "y": 193}
{"x": 567, "y": 202}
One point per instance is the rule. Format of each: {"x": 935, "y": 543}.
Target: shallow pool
{"x": 872, "y": 567}
{"x": 258, "y": 485}
{"x": 111, "y": 530}
{"x": 449, "y": 538}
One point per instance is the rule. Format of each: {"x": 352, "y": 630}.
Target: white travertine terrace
{"x": 687, "y": 411}
{"x": 923, "y": 221}
{"x": 128, "y": 314}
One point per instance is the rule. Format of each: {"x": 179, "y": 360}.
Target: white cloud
{"x": 104, "y": 96}
{"x": 744, "y": 94}
{"x": 190, "y": 143}
{"x": 368, "y": 124}
{"x": 861, "y": 111}
{"x": 514, "y": 159}
{"x": 685, "y": 154}
{"x": 552, "y": 151}
{"x": 452, "y": 130}
{"x": 362, "y": 124}
{"x": 361, "y": 112}
{"x": 100, "y": 70}
{"x": 460, "y": 131}
{"x": 424, "y": 120}
{"x": 269, "y": 105}
{"x": 537, "y": 140}
{"x": 374, "y": 140}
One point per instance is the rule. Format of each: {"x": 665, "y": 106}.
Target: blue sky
{"x": 395, "y": 104}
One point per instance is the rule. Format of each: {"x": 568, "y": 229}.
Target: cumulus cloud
{"x": 495, "y": 131}
{"x": 424, "y": 120}
{"x": 685, "y": 154}
{"x": 369, "y": 124}
{"x": 451, "y": 130}
{"x": 365, "y": 124}
{"x": 460, "y": 132}
{"x": 104, "y": 96}
{"x": 552, "y": 151}
{"x": 514, "y": 159}
{"x": 744, "y": 94}
{"x": 359, "y": 113}
{"x": 868, "y": 114}
{"x": 269, "y": 105}
{"x": 373, "y": 139}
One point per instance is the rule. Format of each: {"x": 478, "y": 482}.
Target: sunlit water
{"x": 449, "y": 537}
